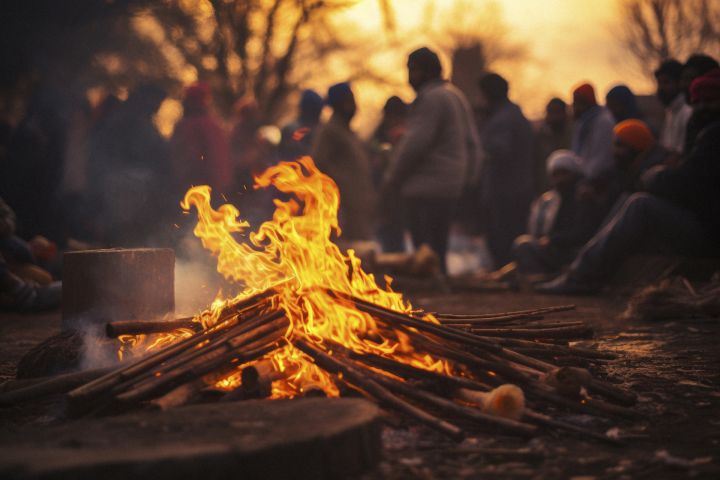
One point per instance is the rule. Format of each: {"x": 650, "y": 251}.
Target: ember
{"x": 323, "y": 323}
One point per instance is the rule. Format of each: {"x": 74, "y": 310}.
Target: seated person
{"x": 635, "y": 151}
{"x": 560, "y": 221}
{"x": 678, "y": 213}
{"x": 23, "y": 284}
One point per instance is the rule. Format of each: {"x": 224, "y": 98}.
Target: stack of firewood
{"x": 504, "y": 367}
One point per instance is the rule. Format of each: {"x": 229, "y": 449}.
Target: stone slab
{"x": 314, "y": 438}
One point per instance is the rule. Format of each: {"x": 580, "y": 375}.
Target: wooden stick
{"x": 555, "y": 348}
{"x": 235, "y": 336}
{"x": 486, "y": 369}
{"x": 179, "y": 396}
{"x": 397, "y": 318}
{"x": 142, "y": 327}
{"x": 376, "y": 391}
{"x": 51, "y": 385}
{"x": 559, "y": 359}
{"x": 505, "y": 315}
{"x": 553, "y": 332}
{"x": 448, "y": 407}
{"x": 489, "y": 321}
{"x": 196, "y": 369}
{"x": 200, "y": 360}
{"x": 408, "y": 371}
{"x": 125, "y": 372}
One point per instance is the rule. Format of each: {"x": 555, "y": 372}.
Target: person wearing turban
{"x": 560, "y": 220}
{"x": 635, "y": 149}
{"x": 704, "y": 101}
{"x": 297, "y": 136}
{"x": 678, "y": 212}
{"x": 339, "y": 153}
{"x": 592, "y": 132}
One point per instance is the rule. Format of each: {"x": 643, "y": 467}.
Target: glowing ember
{"x": 293, "y": 254}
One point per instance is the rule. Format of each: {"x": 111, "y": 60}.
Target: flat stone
{"x": 314, "y": 438}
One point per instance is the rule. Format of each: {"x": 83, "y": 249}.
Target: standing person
{"x": 506, "y": 184}
{"x": 387, "y": 135}
{"x": 297, "y": 136}
{"x": 436, "y": 157}
{"x": 340, "y": 154}
{"x": 135, "y": 173}
{"x": 592, "y": 132}
{"x": 200, "y": 144}
{"x": 622, "y": 103}
{"x": 677, "y": 111}
{"x": 554, "y": 133}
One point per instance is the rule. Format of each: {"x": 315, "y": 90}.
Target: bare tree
{"x": 653, "y": 30}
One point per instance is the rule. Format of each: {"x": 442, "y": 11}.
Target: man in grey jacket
{"x": 437, "y": 156}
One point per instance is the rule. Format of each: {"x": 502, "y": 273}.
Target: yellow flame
{"x": 294, "y": 254}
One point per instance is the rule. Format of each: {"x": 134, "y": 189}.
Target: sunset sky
{"x": 567, "y": 41}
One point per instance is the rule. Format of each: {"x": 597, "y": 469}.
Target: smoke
{"x": 98, "y": 351}
{"x": 196, "y": 285}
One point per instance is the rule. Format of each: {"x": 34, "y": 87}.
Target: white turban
{"x": 564, "y": 159}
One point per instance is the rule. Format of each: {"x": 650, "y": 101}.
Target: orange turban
{"x": 635, "y": 133}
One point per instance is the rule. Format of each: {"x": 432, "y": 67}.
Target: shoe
{"x": 564, "y": 285}
{"x": 28, "y": 298}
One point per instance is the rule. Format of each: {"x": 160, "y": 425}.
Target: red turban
{"x": 635, "y": 133}
{"x": 585, "y": 93}
{"x": 706, "y": 88}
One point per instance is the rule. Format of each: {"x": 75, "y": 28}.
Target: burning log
{"x": 116, "y": 377}
{"x": 179, "y": 396}
{"x": 396, "y": 318}
{"x": 204, "y": 365}
{"x": 239, "y": 349}
{"x": 376, "y": 391}
{"x": 144, "y": 327}
{"x": 256, "y": 380}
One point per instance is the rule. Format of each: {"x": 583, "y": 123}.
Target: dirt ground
{"x": 672, "y": 366}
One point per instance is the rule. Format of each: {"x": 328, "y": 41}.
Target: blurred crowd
{"x": 564, "y": 200}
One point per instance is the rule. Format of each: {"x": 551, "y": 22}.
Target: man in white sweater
{"x": 436, "y": 157}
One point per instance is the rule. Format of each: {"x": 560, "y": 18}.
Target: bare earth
{"x": 672, "y": 366}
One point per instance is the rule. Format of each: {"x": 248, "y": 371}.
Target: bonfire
{"x": 310, "y": 319}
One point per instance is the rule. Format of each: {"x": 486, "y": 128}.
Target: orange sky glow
{"x": 566, "y": 42}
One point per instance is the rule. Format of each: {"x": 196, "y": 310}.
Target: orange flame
{"x": 293, "y": 253}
